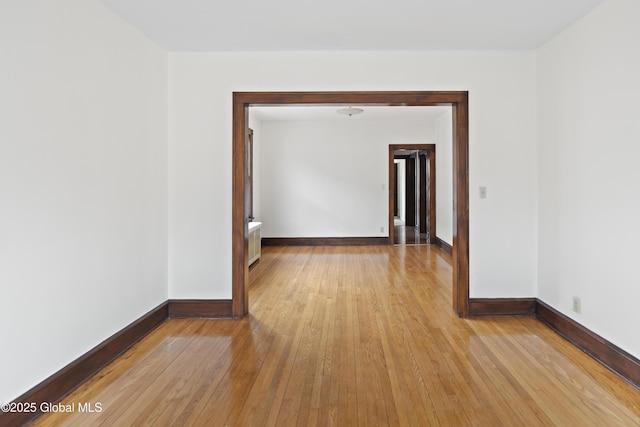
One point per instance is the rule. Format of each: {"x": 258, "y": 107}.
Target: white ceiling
{"x": 330, "y": 113}
{"x": 293, "y": 25}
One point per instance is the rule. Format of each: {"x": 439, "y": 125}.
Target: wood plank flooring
{"x": 403, "y": 235}
{"x": 353, "y": 336}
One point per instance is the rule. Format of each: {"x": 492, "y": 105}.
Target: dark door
{"x": 395, "y": 192}
{"x": 410, "y": 193}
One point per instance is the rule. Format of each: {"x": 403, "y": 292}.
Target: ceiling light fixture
{"x": 350, "y": 111}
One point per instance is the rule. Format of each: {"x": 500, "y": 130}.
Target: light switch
{"x": 483, "y": 192}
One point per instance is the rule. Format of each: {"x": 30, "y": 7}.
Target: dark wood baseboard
{"x": 501, "y": 307}
{"x": 605, "y": 352}
{"x": 613, "y": 357}
{"x": 200, "y": 308}
{"x": 443, "y": 245}
{"x": 63, "y": 382}
{"x": 324, "y": 241}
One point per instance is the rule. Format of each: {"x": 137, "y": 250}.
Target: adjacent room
{"x": 318, "y": 173}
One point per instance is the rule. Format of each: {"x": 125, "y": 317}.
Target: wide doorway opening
{"x": 458, "y": 101}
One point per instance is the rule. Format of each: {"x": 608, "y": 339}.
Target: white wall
{"x": 502, "y": 151}
{"x": 83, "y": 144}
{"x": 330, "y": 178}
{"x": 444, "y": 176}
{"x": 589, "y": 180}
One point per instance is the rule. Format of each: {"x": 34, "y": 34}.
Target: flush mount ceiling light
{"x": 350, "y": 111}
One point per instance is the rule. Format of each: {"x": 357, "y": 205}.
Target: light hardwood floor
{"x": 354, "y": 336}
{"x": 403, "y": 235}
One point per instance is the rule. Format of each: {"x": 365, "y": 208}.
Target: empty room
{"x": 319, "y": 213}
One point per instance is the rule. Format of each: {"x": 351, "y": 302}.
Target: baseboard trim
{"x": 200, "y": 308}
{"x": 600, "y": 349}
{"x": 324, "y": 241}
{"x": 63, "y": 382}
{"x": 443, "y": 245}
{"x": 610, "y": 355}
{"x": 502, "y": 307}
{"x": 59, "y": 385}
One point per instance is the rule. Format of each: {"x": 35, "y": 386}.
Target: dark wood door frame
{"x": 427, "y": 195}
{"x": 459, "y": 102}
{"x": 249, "y": 171}
{"x": 423, "y": 196}
{"x": 431, "y": 171}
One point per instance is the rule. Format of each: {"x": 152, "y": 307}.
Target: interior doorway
{"x": 457, "y": 100}
{"x": 412, "y": 202}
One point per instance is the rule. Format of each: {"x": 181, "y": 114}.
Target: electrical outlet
{"x": 483, "y": 192}
{"x": 577, "y": 305}
{"x": 382, "y": 229}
